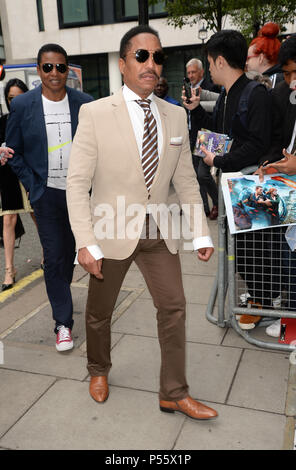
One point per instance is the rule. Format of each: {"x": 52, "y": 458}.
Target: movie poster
{"x": 251, "y": 205}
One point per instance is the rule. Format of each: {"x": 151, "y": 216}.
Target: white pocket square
{"x": 176, "y": 140}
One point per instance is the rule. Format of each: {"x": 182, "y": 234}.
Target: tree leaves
{"x": 246, "y": 15}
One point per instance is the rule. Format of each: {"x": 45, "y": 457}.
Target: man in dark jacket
{"x": 227, "y": 53}
{"x": 40, "y": 129}
{"x": 284, "y": 104}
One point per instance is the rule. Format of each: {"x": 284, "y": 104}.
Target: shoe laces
{"x": 64, "y": 333}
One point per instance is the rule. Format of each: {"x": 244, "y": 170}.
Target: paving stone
{"x": 211, "y": 370}
{"x": 191, "y": 265}
{"x": 120, "y": 423}
{"x": 236, "y": 378}
{"x": 18, "y": 392}
{"x": 136, "y": 363}
{"x": 134, "y": 278}
{"x": 291, "y": 400}
{"x": 80, "y": 275}
{"x": 197, "y": 289}
{"x": 140, "y": 319}
{"x": 38, "y": 361}
{"x": 199, "y": 329}
{"x": 22, "y": 304}
{"x": 232, "y": 338}
{"x": 234, "y": 429}
{"x": 39, "y": 328}
{"x": 25, "y": 265}
{"x": 261, "y": 381}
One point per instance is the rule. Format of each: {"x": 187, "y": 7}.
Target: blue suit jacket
{"x": 26, "y": 135}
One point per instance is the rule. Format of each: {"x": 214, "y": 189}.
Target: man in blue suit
{"x": 40, "y": 129}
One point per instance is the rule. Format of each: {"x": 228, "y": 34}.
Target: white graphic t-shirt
{"x": 59, "y": 137}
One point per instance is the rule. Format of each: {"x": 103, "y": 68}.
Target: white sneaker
{"x": 244, "y": 298}
{"x": 274, "y": 329}
{"x": 277, "y": 303}
{"x": 64, "y": 340}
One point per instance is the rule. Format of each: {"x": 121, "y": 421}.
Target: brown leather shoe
{"x": 214, "y": 213}
{"x": 188, "y": 407}
{"x": 98, "y": 388}
{"x": 248, "y": 322}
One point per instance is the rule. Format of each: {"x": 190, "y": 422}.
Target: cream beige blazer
{"x": 105, "y": 159}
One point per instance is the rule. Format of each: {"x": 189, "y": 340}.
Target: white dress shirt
{"x": 136, "y": 114}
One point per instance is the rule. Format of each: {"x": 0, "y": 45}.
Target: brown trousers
{"x": 162, "y": 273}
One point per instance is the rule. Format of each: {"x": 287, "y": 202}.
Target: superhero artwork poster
{"x": 252, "y": 205}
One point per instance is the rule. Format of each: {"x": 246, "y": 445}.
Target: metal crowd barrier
{"x": 273, "y": 282}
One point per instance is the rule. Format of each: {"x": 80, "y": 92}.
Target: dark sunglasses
{"x": 142, "y": 55}
{"x": 61, "y": 68}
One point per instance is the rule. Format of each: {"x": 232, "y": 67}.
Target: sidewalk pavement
{"x": 44, "y": 399}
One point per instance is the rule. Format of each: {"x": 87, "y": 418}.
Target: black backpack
{"x": 242, "y": 109}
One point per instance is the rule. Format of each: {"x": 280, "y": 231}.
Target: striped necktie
{"x": 149, "y": 147}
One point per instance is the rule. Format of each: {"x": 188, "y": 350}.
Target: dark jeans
{"x": 206, "y": 182}
{"x": 59, "y": 253}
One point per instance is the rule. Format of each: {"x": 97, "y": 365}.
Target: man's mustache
{"x": 150, "y": 72}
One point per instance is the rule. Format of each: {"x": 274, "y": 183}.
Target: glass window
{"x": 74, "y": 11}
{"x": 158, "y": 8}
{"x": 127, "y": 9}
{"x": 95, "y": 76}
{"x": 131, "y": 8}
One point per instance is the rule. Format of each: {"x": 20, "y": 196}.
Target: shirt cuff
{"x": 94, "y": 250}
{"x": 202, "y": 242}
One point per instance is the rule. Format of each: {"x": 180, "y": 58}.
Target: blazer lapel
{"x": 38, "y": 118}
{"x": 125, "y": 130}
{"x": 74, "y": 110}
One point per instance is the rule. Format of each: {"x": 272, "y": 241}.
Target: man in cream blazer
{"x": 116, "y": 224}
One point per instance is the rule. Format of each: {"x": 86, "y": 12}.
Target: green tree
{"x": 246, "y": 15}
{"x": 182, "y": 12}
{"x": 250, "y": 18}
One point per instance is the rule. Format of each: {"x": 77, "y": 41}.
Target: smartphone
{"x": 187, "y": 88}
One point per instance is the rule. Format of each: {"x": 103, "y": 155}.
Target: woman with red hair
{"x": 263, "y": 53}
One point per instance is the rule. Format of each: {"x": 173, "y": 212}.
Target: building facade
{"x": 90, "y": 31}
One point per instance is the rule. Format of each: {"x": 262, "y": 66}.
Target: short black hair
{"x": 124, "y": 43}
{"x": 51, "y": 48}
{"x": 231, "y": 45}
{"x": 287, "y": 50}
{"x": 13, "y": 82}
